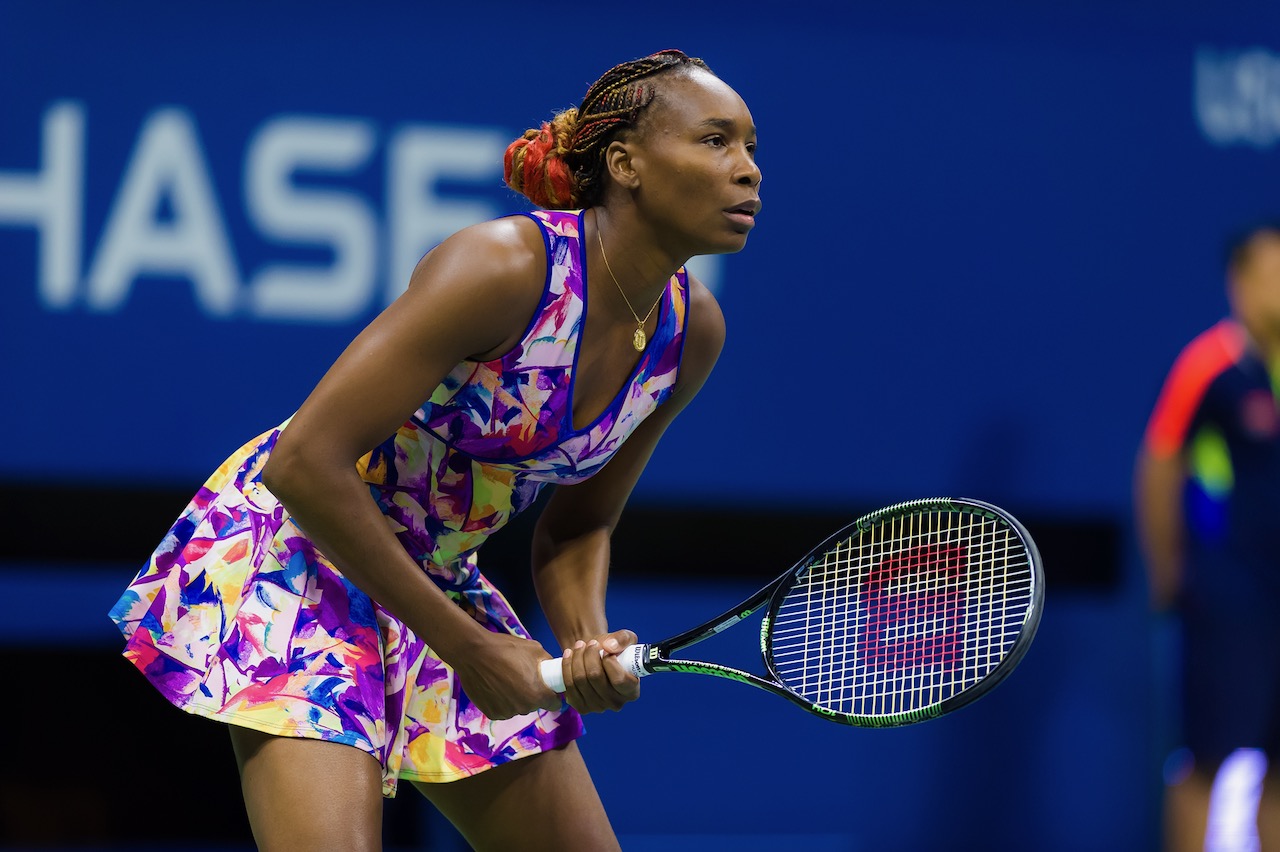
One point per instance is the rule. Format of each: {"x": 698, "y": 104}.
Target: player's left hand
{"x": 594, "y": 682}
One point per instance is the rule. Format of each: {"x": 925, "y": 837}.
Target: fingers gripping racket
{"x": 904, "y": 615}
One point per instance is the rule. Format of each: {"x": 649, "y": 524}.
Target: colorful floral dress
{"x": 239, "y": 617}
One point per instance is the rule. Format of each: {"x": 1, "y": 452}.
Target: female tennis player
{"x": 320, "y": 594}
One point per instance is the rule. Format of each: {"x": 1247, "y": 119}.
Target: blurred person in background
{"x": 1207, "y": 494}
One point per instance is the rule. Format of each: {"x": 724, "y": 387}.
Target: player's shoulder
{"x": 500, "y": 261}
{"x": 706, "y": 327}
{"x": 488, "y": 277}
{"x": 498, "y": 249}
{"x": 704, "y": 336}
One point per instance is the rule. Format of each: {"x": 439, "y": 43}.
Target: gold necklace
{"x": 638, "y": 339}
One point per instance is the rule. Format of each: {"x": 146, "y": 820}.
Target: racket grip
{"x": 552, "y": 670}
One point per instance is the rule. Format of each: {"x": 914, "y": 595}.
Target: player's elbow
{"x": 287, "y": 470}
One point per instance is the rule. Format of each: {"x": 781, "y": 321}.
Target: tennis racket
{"x": 905, "y": 614}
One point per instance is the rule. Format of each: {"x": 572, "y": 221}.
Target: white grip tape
{"x": 552, "y": 670}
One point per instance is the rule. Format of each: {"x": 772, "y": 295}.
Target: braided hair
{"x": 561, "y": 164}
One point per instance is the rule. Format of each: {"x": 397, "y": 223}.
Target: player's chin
{"x": 727, "y": 243}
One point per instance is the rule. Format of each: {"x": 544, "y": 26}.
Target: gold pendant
{"x": 638, "y": 339}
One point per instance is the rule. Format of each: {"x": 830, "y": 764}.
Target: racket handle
{"x": 552, "y": 670}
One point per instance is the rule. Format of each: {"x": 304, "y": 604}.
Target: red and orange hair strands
{"x": 535, "y": 165}
{"x": 561, "y": 164}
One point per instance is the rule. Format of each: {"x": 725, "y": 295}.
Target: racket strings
{"x": 903, "y": 615}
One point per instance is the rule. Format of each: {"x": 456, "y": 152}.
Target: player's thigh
{"x": 543, "y": 802}
{"x": 303, "y": 794}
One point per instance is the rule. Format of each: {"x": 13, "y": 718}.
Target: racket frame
{"x": 656, "y": 657}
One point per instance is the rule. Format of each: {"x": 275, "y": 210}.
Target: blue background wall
{"x": 987, "y": 231}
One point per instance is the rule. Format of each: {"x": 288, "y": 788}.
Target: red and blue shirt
{"x": 1218, "y": 410}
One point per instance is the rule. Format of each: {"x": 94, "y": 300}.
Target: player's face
{"x": 1257, "y": 287}
{"x": 695, "y": 164}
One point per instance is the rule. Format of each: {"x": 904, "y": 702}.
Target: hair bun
{"x": 535, "y": 165}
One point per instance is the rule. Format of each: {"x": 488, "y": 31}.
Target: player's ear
{"x": 620, "y": 162}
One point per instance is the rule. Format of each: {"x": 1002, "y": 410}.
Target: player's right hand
{"x": 594, "y": 680}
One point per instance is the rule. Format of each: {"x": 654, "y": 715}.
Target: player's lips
{"x": 745, "y": 213}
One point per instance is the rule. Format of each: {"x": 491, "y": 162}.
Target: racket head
{"x": 908, "y": 613}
